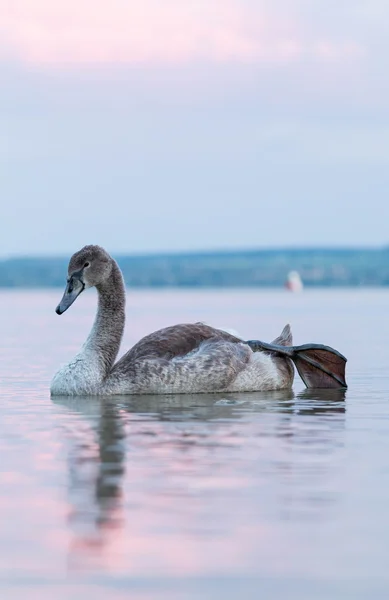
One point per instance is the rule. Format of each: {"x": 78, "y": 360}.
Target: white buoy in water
{"x": 294, "y": 282}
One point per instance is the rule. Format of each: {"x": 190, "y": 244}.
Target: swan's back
{"x": 171, "y": 342}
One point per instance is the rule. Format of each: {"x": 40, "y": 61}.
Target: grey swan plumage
{"x": 187, "y": 358}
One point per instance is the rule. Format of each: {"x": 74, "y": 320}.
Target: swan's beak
{"x": 73, "y": 289}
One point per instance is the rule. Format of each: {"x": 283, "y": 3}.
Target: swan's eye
{"x": 86, "y": 265}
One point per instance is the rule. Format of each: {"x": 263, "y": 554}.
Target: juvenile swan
{"x": 189, "y": 358}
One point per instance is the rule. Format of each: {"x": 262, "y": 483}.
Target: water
{"x": 270, "y": 495}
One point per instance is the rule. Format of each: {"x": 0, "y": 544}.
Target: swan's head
{"x": 91, "y": 266}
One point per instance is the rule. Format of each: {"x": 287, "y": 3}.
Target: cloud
{"x": 130, "y": 32}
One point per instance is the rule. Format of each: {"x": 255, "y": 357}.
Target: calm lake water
{"x": 260, "y": 495}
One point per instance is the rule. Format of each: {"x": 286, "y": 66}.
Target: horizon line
{"x": 207, "y": 252}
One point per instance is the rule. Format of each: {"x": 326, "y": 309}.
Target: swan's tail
{"x": 318, "y": 366}
{"x": 285, "y": 338}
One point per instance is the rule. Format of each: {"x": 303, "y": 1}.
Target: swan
{"x": 187, "y": 358}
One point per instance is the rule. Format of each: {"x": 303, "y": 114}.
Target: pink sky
{"x": 87, "y": 32}
{"x": 242, "y": 110}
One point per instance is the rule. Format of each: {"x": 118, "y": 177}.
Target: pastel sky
{"x": 192, "y": 124}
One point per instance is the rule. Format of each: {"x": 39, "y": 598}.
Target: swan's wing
{"x": 212, "y": 365}
{"x": 177, "y": 340}
{"x": 193, "y": 357}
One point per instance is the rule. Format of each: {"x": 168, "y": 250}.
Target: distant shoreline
{"x": 264, "y": 268}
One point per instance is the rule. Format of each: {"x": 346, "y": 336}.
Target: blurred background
{"x": 158, "y": 128}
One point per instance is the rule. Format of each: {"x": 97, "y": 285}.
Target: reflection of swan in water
{"x": 321, "y": 401}
{"x": 96, "y": 464}
{"x": 204, "y": 407}
{"x": 182, "y": 427}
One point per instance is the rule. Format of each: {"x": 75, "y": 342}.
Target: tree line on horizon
{"x": 256, "y": 268}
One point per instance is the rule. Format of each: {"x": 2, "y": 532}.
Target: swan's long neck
{"x": 104, "y": 340}
{"x": 86, "y": 372}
